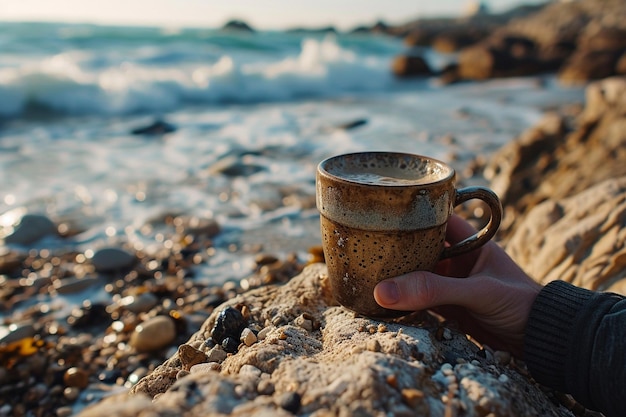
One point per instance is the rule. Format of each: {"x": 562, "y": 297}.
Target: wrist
{"x": 549, "y": 331}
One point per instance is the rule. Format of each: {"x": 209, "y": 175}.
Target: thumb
{"x": 421, "y": 290}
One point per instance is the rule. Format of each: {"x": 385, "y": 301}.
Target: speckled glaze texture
{"x": 373, "y": 231}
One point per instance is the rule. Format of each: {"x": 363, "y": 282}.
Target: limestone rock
{"x": 340, "y": 365}
{"x": 580, "y": 239}
{"x": 550, "y": 162}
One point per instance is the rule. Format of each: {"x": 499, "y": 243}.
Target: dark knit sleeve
{"x": 575, "y": 342}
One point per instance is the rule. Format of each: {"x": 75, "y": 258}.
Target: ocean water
{"x": 254, "y": 114}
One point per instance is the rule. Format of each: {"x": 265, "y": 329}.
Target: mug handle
{"x": 483, "y": 235}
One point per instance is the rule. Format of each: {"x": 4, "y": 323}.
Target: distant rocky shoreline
{"x": 580, "y": 40}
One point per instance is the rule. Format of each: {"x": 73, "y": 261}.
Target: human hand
{"x": 483, "y": 290}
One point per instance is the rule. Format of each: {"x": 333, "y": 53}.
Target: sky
{"x": 260, "y": 14}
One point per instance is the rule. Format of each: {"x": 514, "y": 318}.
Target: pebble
{"x": 248, "y": 337}
{"x": 229, "y": 323}
{"x": 251, "y": 370}
{"x": 76, "y": 377}
{"x": 304, "y": 323}
{"x": 373, "y": 345}
{"x": 153, "y": 334}
{"x": 230, "y": 345}
{"x": 112, "y": 259}
{"x": 263, "y": 333}
{"x": 265, "y": 387}
{"x": 13, "y": 333}
{"x": 139, "y": 303}
{"x": 30, "y": 229}
{"x": 217, "y": 354}
{"x": 71, "y": 393}
{"x": 74, "y": 285}
{"x": 65, "y": 411}
{"x": 205, "y": 367}
{"x": 190, "y": 356}
{"x": 412, "y": 397}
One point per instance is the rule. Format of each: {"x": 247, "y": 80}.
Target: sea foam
{"x": 82, "y": 82}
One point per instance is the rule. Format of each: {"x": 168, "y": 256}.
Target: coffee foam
{"x": 389, "y": 175}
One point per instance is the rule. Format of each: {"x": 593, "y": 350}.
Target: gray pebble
{"x": 30, "y": 229}
{"x": 112, "y": 259}
{"x": 14, "y": 333}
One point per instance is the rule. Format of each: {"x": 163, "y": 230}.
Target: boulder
{"x": 579, "y": 239}
{"x": 315, "y": 358}
{"x": 585, "y": 65}
{"x": 550, "y": 161}
{"x": 485, "y": 60}
{"x": 455, "y": 40}
{"x": 582, "y": 39}
{"x": 404, "y": 66}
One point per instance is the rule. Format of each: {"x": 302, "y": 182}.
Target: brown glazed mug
{"x": 384, "y": 214}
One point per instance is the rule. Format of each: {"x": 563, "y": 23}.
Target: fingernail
{"x": 388, "y": 292}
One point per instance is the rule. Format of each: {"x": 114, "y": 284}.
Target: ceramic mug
{"x": 384, "y": 214}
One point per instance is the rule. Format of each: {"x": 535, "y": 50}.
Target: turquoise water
{"x": 87, "y": 69}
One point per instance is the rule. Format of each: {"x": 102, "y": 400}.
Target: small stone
{"x": 139, "y": 303}
{"x": 412, "y": 397}
{"x": 263, "y": 333}
{"x": 71, "y": 393}
{"x": 278, "y": 320}
{"x": 447, "y": 334}
{"x": 265, "y": 387}
{"x": 303, "y": 322}
{"x": 373, "y": 345}
{"x": 217, "y": 354}
{"x": 112, "y": 259}
{"x": 205, "y": 367}
{"x": 153, "y": 334}
{"x": 65, "y": 411}
{"x": 74, "y": 285}
{"x": 230, "y": 345}
{"x": 30, "y": 229}
{"x": 229, "y": 323}
{"x": 13, "y": 333}
{"x": 290, "y": 401}
{"x": 248, "y": 337}
{"x": 190, "y": 356}
{"x": 76, "y": 377}
{"x": 252, "y": 370}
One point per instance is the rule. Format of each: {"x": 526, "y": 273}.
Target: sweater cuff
{"x": 548, "y": 332}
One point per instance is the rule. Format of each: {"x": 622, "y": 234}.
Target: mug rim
{"x": 321, "y": 168}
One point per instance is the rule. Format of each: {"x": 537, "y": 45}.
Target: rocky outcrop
{"x": 579, "y": 239}
{"x": 581, "y": 41}
{"x": 550, "y": 162}
{"x": 410, "y": 66}
{"x": 311, "y": 357}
